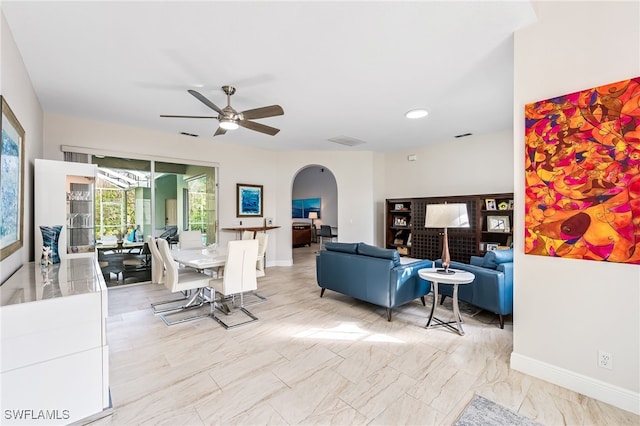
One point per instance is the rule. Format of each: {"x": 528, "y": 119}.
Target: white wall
{"x": 16, "y": 87}
{"x": 475, "y": 164}
{"x": 566, "y": 310}
{"x": 272, "y": 169}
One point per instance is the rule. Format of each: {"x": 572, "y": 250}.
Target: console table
{"x": 54, "y": 343}
{"x": 253, "y": 229}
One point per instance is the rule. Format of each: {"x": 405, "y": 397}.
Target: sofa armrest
{"x": 406, "y": 285}
{"x": 476, "y": 260}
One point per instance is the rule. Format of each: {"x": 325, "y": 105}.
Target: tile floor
{"x": 309, "y": 360}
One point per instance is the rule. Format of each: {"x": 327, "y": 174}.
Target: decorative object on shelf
{"x": 50, "y": 237}
{"x": 498, "y": 224}
{"x": 510, "y": 205}
{"x": 445, "y": 216}
{"x": 490, "y": 204}
{"x": 399, "y": 221}
{"x": 11, "y": 181}
{"x": 268, "y": 221}
{"x": 503, "y": 205}
{"x": 399, "y": 207}
{"x": 585, "y": 212}
{"x": 492, "y": 246}
{"x": 248, "y": 200}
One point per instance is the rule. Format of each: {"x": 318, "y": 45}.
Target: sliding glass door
{"x": 138, "y": 198}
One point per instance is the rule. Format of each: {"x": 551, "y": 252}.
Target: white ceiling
{"x": 337, "y": 68}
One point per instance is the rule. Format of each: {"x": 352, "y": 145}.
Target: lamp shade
{"x": 446, "y": 216}
{"x": 313, "y": 215}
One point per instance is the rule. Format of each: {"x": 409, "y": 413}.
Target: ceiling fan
{"x": 230, "y": 119}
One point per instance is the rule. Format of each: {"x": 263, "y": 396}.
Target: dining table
{"x": 200, "y": 258}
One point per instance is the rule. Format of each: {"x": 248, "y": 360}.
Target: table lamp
{"x": 446, "y": 216}
{"x": 313, "y": 216}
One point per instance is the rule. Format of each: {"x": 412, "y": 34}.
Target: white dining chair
{"x": 183, "y": 280}
{"x": 247, "y": 235}
{"x": 263, "y": 239}
{"x": 239, "y": 277}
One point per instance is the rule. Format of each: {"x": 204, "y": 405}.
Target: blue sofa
{"x": 492, "y": 289}
{"x": 371, "y": 274}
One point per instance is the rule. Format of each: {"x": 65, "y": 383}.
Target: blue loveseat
{"x": 492, "y": 289}
{"x": 371, "y": 274}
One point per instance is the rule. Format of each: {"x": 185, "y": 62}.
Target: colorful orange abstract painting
{"x": 582, "y": 174}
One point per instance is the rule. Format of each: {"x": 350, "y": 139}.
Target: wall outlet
{"x": 605, "y": 360}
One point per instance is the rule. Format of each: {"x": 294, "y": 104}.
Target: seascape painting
{"x": 11, "y": 180}
{"x": 249, "y": 200}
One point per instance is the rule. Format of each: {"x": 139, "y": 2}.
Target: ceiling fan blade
{"x": 252, "y": 125}
{"x": 186, "y": 116}
{"x": 264, "y": 112}
{"x": 220, "y": 131}
{"x": 206, "y": 101}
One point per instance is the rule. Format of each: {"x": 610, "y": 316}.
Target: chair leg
{"x": 197, "y": 300}
{"x": 169, "y": 309}
{"x": 442, "y": 299}
{"x": 501, "y": 319}
{"x": 322, "y": 292}
{"x": 389, "y": 310}
{"x": 422, "y": 300}
{"x": 242, "y": 308}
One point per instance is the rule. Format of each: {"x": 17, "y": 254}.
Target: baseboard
{"x": 597, "y": 389}
{"x": 279, "y": 263}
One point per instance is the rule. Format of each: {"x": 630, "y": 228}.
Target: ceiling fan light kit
{"x": 230, "y": 119}
{"x": 228, "y": 124}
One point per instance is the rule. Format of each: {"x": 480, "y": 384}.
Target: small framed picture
{"x": 398, "y": 207}
{"x": 399, "y": 221}
{"x": 498, "y": 224}
{"x": 492, "y": 246}
{"x": 268, "y": 221}
{"x": 490, "y": 204}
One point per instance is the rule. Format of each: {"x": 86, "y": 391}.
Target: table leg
{"x": 456, "y": 310}
{"x": 434, "y": 285}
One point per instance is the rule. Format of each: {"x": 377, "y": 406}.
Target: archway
{"x": 315, "y": 185}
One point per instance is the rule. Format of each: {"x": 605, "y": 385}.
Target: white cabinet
{"x": 64, "y": 194}
{"x": 54, "y": 353}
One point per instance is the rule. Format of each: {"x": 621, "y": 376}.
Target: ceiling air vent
{"x": 346, "y": 140}
{"x": 462, "y": 135}
{"x": 189, "y": 134}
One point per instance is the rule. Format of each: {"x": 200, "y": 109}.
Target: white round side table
{"x": 457, "y": 278}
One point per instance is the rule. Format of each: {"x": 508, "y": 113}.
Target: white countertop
{"x": 70, "y": 277}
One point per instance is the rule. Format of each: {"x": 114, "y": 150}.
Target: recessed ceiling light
{"x": 416, "y": 113}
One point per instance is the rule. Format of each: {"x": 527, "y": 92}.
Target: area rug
{"x": 482, "y": 412}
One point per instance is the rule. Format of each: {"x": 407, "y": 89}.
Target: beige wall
{"x": 566, "y": 310}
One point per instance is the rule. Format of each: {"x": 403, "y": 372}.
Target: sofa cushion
{"x": 496, "y": 257}
{"x": 382, "y": 253}
{"x": 342, "y": 247}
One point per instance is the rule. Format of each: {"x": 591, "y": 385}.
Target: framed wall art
{"x": 11, "y": 182}
{"x": 248, "y": 200}
{"x": 582, "y": 183}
